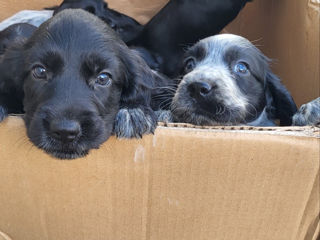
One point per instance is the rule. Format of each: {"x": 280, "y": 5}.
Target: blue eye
{"x": 104, "y": 79}
{"x": 189, "y": 65}
{"x": 39, "y": 72}
{"x": 241, "y": 68}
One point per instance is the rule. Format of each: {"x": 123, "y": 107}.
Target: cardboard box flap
{"x": 180, "y": 183}
{"x": 310, "y": 222}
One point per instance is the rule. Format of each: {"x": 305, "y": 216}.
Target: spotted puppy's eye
{"x": 241, "y": 68}
{"x": 39, "y": 72}
{"x": 104, "y": 79}
{"x": 189, "y": 65}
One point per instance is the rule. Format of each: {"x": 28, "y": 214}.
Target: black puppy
{"x": 14, "y": 33}
{"x": 77, "y": 82}
{"x": 226, "y": 80}
{"x": 181, "y": 23}
{"x": 127, "y": 27}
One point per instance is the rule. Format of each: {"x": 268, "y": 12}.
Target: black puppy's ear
{"x": 11, "y": 81}
{"x": 279, "y": 101}
{"x": 135, "y": 117}
{"x": 139, "y": 79}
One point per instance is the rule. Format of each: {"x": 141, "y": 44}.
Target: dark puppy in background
{"x": 182, "y": 23}
{"x": 227, "y": 81}
{"x": 14, "y": 33}
{"x": 127, "y": 27}
{"x": 77, "y": 83}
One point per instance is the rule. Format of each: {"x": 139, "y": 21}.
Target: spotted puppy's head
{"x": 227, "y": 80}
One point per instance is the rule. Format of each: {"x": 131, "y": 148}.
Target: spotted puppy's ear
{"x": 135, "y": 117}
{"x": 279, "y": 101}
{"x": 11, "y": 81}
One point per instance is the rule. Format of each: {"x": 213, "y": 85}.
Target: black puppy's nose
{"x": 65, "y": 130}
{"x": 198, "y": 89}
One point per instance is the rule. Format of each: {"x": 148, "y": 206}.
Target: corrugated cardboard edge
{"x": 308, "y": 131}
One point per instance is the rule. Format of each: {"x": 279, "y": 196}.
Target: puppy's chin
{"x": 68, "y": 155}
{"x": 207, "y": 113}
{"x": 220, "y": 115}
{"x": 91, "y": 138}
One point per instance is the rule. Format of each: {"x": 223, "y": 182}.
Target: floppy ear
{"x": 139, "y": 80}
{"x": 280, "y": 104}
{"x": 135, "y": 116}
{"x": 11, "y": 81}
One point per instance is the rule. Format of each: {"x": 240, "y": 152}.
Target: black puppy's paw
{"x": 3, "y": 113}
{"x": 134, "y": 122}
{"x": 164, "y": 116}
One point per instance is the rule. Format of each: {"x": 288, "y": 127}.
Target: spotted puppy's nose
{"x": 199, "y": 89}
{"x": 65, "y": 130}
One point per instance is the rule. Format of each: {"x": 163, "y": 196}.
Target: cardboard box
{"x": 184, "y": 182}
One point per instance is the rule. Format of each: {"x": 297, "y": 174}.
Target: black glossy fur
{"x": 69, "y": 111}
{"x": 14, "y": 33}
{"x": 127, "y": 27}
{"x": 181, "y": 23}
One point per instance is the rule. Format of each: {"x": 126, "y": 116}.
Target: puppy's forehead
{"x": 75, "y": 30}
{"x": 217, "y": 47}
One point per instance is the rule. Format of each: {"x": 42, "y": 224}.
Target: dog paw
{"x": 308, "y": 114}
{"x": 3, "y": 113}
{"x": 133, "y": 123}
{"x": 164, "y": 116}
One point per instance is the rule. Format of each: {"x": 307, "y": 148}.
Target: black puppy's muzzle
{"x": 65, "y": 131}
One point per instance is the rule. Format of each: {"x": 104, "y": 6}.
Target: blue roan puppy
{"x": 226, "y": 80}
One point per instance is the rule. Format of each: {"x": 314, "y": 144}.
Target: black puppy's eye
{"x": 104, "y": 79}
{"x": 39, "y": 72}
{"x": 241, "y": 68}
{"x": 189, "y": 65}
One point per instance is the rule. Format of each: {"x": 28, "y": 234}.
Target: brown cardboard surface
{"x": 4, "y": 236}
{"x": 180, "y": 183}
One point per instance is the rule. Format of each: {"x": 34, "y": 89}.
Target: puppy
{"x": 127, "y": 27}
{"x": 227, "y": 81}
{"x": 14, "y": 33}
{"x": 308, "y": 114}
{"x": 182, "y": 23}
{"x": 77, "y": 83}
{"x": 35, "y": 18}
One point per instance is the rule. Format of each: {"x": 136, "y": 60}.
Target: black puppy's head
{"x": 14, "y": 33}
{"x": 125, "y": 26}
{"x": 74, "y": 70}
{"x": 227, "y": 80}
